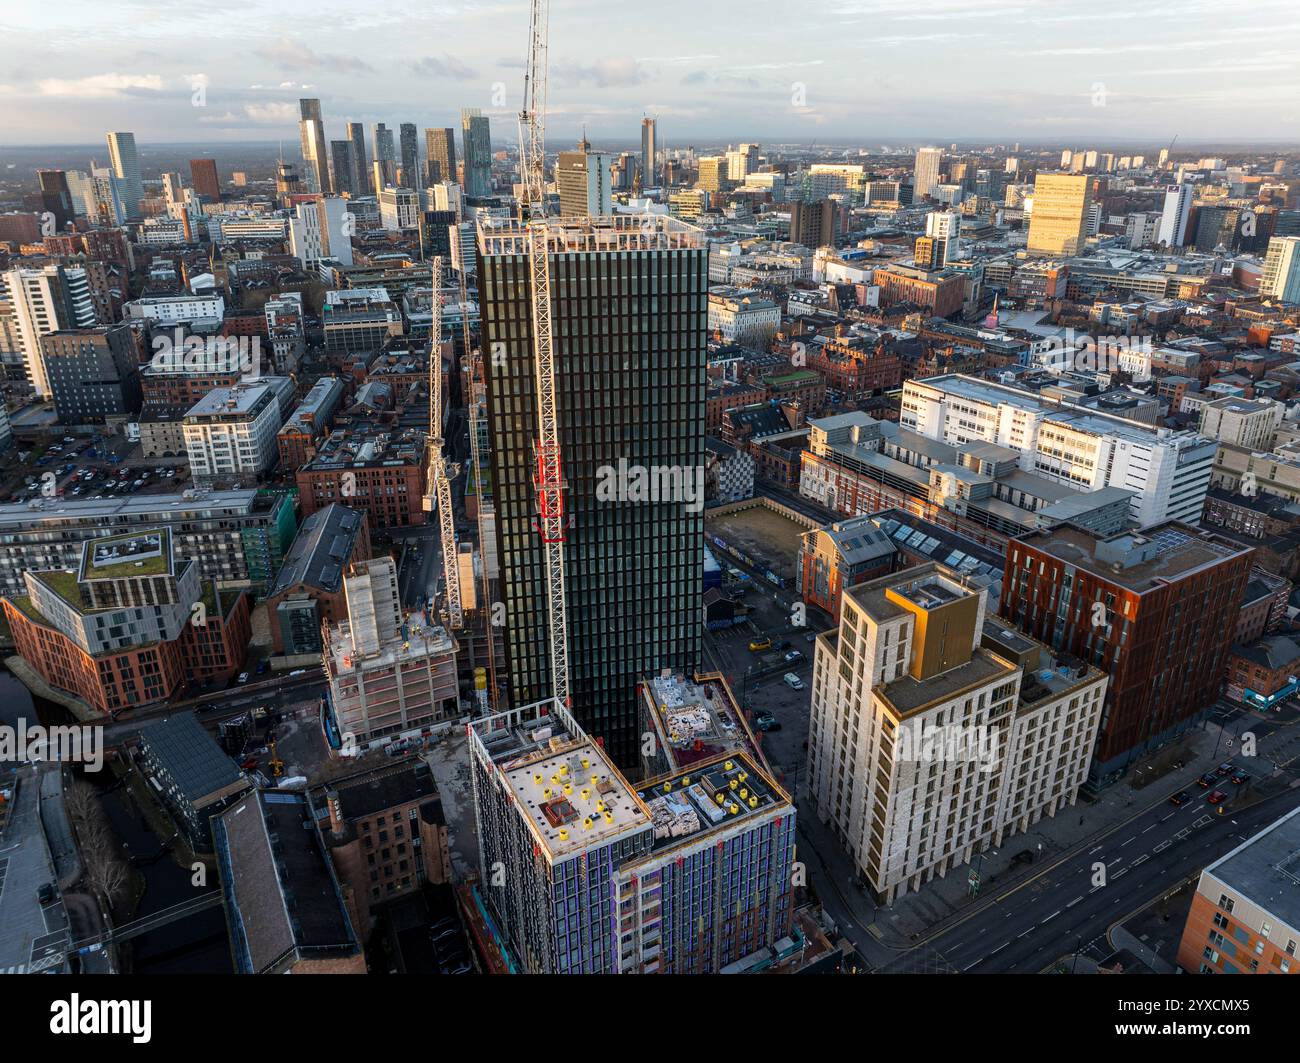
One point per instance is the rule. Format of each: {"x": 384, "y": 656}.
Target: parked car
{"x": 794, "y": 655}
{"x": 1207, "y": 780}
{"x": 1239, "y": 777}
{"x": 1180, "y": 798}
{"x": 47, "y": 895}
{"x": 792, "y": 681}
{"x": 1227, "y": 768}
{"x": 1218, "y": 797}
{"x": 758, "y": 645}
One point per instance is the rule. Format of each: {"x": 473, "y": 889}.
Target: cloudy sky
{"x": 765, "y": 70}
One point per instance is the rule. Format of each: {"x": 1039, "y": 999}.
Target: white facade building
{"x": 230, "y": 433}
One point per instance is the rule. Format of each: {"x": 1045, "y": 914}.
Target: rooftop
{"x": 145, "y": 553}
{"x": 1265, "y": 870}
{"x": 190, "y": 755}
{"x": 1140, "y": 561}
{"x": 322, "y": 548}
{"x": 697, "y": 721}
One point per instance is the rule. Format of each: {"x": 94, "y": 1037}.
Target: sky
{"x": 884, "y": 71}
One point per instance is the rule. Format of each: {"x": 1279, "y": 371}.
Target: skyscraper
{"x": 649, "y": 172}
{"x": 311, "y": 130}
{"x": 1058, "y": 225}
{"x": 925, "y": 172}
{"x": 357, "y": 134}
{"x": 45, "y": 300}
{"x": 1173, "y": 220}
{"x": 385, "y": 157}
{"x": 343, "y": 168}
{"x": 203, "y": 176}
{"x": 56, "y": 197}
{"x": 583, "y": 178}
{"x": 126, "y": 168}
{"x": 477, "y": 140}
{"x": 440, "y": 150}
{"x": 629, "y": 388}
{"x": 410, "y": 145}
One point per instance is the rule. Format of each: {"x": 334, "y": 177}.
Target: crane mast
{"x": 438, "y": 497}
{"x": 549, "y": 478}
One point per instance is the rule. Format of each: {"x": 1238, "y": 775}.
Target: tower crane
{"x": 549, "y": 477}
{"x": 438, "y": 490}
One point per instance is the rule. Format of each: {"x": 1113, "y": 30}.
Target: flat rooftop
{"x": 697, "y": 721}
{"x": 687, "y": 805}
{"x": 22, "y": 515}
{"x": 144, "y": 553}
{"x": 1161, "y": 553}
{"x": 909, "y": 695}
{"x": 1265, "y": 869}
{"x": 573, "y": 796}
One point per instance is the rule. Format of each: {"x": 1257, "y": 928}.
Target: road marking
{"x": 1151, "y": 827}
{"x": 1075, "y": 901}
{"x": 1141, "y": 859}
{"x": 1132, "y": 839}
{"x": 1029, "y": 931}
{"x": 1124, "y": 871}
{"x": 999, "y": 948}
{"x": 1052, "y": 916}
{"x": 1162, "y": 846}
{"x": 1093, "y": 850}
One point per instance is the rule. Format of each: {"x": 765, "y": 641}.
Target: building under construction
{"x": 687, "y": 873}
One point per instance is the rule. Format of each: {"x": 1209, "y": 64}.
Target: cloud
{"x": 100, "y": 86}
{"x": 603, "y": 74}
{"x": 446, "y": 67}
{"x": 271, "y": 113}
{"x": 289, "y": 54}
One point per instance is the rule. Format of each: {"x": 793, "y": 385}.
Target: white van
{"x": 793, "y": 681}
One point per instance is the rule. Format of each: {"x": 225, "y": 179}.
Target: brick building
{"x": 378, "y": 469}
{"x": 1150, "y": 608}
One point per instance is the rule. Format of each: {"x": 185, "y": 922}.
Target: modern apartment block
{"x": 389, "y": 673}
{"x": 1167, "y": 471}
{"x": 1281, "y": 277}
{"x": 440, "y": 156}
{"x": 583, "y": 179}
{"x": 935, "y": 731}
{"x": 687, "y": 721}
{"x": 359, "y": 319}
{"x": 1059, "y": 222}
{"x": 42, "y": 301}
{"x": 630, "y": 394}
{"x": 1245, "y": 914}
{"x": 131, "y": 626}
{"x": 311, "y": 130}
{"x": 1154, "y": 609}
{"x": 238, "y": 538}
{"x": 321, "y": 229}
{"x": 230, "y": 434}
{"x": 687, "y": 873}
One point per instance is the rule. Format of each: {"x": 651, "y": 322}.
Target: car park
{"x": 47, "y": 895}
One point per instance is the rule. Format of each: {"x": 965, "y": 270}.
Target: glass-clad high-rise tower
{"x": 628, "y": 324}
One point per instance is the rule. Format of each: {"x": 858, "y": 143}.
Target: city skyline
{"x": 1168, "y": 75}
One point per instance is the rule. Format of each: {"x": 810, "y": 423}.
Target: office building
{"x": 1245, "y": 914}
{"x": 476, "y": 137}
{"x": 629, "y": 393}
{"x": 1154, "y": 609}
{"x": 56, "y": 198}
{"x": 943, "y": 227}
{"x": 1167, "y": 471}
{"x": 311, "y": 133}
{"x": 1058, "y": 223}
{"x": 1173, "y": 219}
{"x": 712, "y": 173}
{"x": 440, "y": 156}
{"x": 649, "y": 153}
{"x": 814, "y": 224}
{"x": 399, "y": 209}
{"x": 389, "y": 673}
{"x": 926, "y": 173}
{"x": 93, "y": 374}
{"x": 583, "y": 178}
{"x": 125, "y": 164}
{"x": 936, "y": 732}
{"x": 686, "y": 873}
{"x": 1281, "y": 277}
